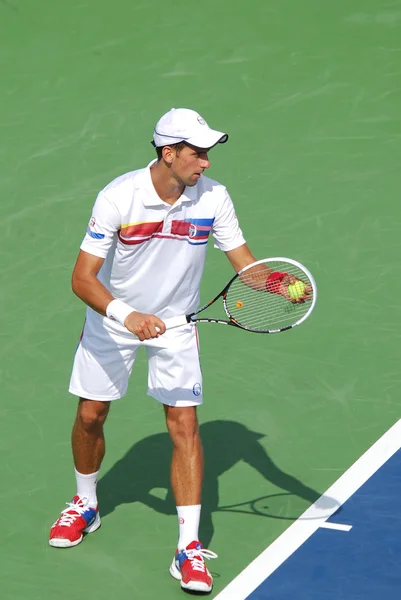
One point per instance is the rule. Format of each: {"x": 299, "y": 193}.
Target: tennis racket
{"x": 256, "y": 300}
{"x": 280, "y": 506}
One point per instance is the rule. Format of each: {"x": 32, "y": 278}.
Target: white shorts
{"x": 105, "y": 357}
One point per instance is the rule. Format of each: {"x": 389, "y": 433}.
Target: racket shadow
{"x": 143, "y": 474}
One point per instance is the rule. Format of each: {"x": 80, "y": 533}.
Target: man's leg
{"x": 186, "y": 480}
{"x": 175, "y": 380}
{"x": 88, "y": 447}
{"x": 187, "y": 459}
{"x": 102, "y": 366}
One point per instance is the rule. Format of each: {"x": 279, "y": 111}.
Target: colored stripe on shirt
{"x": 195, "y": 229}
{"x": 94, "y": 235}
{"x": 137, "y": 233}
{"x": 142, "y": 229}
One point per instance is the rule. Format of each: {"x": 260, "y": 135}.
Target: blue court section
{"x": 364, "y": 563}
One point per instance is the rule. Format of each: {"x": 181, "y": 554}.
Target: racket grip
{"x": 175, "y": 322}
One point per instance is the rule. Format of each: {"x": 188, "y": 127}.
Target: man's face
{"x": 188, "y": 164}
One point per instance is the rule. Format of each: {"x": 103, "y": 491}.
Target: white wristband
{"x": 118, "y": 311}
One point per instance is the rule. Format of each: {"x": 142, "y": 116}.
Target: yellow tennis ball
{"x": 239, "y": 304}
{"x": 296, "y": 290}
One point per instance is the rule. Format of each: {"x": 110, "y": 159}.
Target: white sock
{"x": 188, "y": 519}
{"x": 86, "y": 487}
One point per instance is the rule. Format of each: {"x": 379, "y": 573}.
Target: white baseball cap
{"x": 185, "y": 125}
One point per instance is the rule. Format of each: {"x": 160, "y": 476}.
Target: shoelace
{"x": 67, "y": 518}
{"x": 198, "y": 564}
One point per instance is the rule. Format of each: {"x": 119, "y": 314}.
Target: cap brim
{"x": 208, "y": 140}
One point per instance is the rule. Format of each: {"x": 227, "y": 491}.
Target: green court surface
{"x": 310, "y": 95}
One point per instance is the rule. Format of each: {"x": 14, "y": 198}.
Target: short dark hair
{"x": 178, "y": 147}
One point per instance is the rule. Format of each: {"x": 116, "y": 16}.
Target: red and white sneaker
{"x": 74, "y": 521}
{"x": 189, "y": 566}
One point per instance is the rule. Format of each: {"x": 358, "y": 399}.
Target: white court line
{"x": 337, "y": 526}
{"x": 314, "y": 517}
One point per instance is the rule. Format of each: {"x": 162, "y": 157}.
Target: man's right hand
{"x": 144, "y": 326}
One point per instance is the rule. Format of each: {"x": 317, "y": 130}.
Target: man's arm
{"x": 240, "y": 257}
{"x": 88, "y": 288}
{"x": 255, "y": 277}
{"x": 264, "y": 278}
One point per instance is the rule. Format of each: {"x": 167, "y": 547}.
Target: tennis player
{"x": 141, "y": 261}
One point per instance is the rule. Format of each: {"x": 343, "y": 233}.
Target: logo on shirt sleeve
{"x": 94, "y": 234}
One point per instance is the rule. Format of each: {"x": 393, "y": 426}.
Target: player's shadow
{"x": 146, "y": 467}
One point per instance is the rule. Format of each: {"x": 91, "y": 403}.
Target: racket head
{"x": 287, "y": 506}
{"x": 249, "y": 304}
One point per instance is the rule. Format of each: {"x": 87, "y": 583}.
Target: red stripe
{"x": 203, "y": 227}
{"x": 160, "y": 236}
{"x": 179, "y": 239}
{"x": 142, "y": 229}
{"x": 180, "y": 227}
{"x": 183, "y": 228}
{"x": 132, "y": 242}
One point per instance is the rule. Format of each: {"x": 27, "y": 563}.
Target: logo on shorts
{"x": 201, "y": 121}
{"x": 181, "y": 520}
{"x": 197, "y": 389}
{"x": 192, "y": 231}
{"x": 92, "y": 222}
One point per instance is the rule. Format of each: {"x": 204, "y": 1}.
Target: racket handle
{"x": 175, "y": 322}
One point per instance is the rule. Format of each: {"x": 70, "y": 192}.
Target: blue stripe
{"x": 96, "y": 236}
{"x": 197, "y": 243}
{"x": 201, "y": 222}
{"x": 89, "y": 516}
{"x": 180, "y": 558}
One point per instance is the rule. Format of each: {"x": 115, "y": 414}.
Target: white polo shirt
{"x": 155, "y": 253}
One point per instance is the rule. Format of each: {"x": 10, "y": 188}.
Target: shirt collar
{"x": 151, "y": 198}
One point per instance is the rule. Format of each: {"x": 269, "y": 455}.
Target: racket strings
{"x": 263, "y": 318}
{"x": 255, "y": 314}
{"x": 250, "y": 303}
{"x": 247, "y": 307}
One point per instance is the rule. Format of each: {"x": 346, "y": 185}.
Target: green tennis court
{"x": 309, "y": 93}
